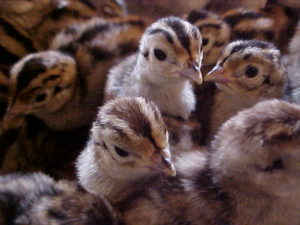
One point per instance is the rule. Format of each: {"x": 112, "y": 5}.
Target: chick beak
{"x": 12, "y": 114}
{"x": 218, "y": 75}
{"x": 164, "y": 164}
{"x": 167, "y": 161}
{"x": 193, "y": 72}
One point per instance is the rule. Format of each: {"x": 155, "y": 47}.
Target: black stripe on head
{"x": 164, "y": 32}
{"x": 88, "y": 4}
{"x": 7, "y": 57}
{"x": 196, "y": 15}
{"x": 100, "y": 54}
{"x": 50, "y": 78}
{"x": 31, "y": 69}
{"x": 90, "y": 34}
{"x": 15, "y": 34}
{"x": 252, "y": 44}
{"x": 177, "y": 25}
{"x": 211, "y": 25}
{"x": 136, "y": 120}
{"x": 59, "y": 13}
{"x": 232, "y": 20}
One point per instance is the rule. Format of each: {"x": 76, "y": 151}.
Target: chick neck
{"x": 173, "y": 96}
{"x": 226, "y": 104}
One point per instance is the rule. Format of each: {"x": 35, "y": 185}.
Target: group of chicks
{"x": 124, "y": 99}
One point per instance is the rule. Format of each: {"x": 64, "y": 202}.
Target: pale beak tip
{"x": 199, "y": 79}
{"x": 173, "y": 171}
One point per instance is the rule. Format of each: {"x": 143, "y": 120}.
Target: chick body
{"x": 38, "y": 199}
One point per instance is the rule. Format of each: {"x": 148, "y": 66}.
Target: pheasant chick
{"x": 128, "y": 143}
{"x": 169, "y": 55}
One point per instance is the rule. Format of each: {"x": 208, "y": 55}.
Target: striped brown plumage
{"x": 53, "y": 86}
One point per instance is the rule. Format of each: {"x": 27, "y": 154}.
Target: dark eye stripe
{"x": 51, "y": 77}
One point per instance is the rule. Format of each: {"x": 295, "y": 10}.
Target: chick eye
{"x": 40, "y": 97}
{"x": 121, "y": 152}
{"x": 251, "y": 71}
{"x": 160, "y": 54}
{"x": 277, "y": 165}
{"x": 205, "y": 41}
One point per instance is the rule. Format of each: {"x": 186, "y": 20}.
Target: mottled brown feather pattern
{"x": 38, "y": 199}
{"x": 64, "y": 79}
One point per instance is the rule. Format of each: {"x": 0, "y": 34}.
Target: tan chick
{"x": 169, "y": 56}
{"x": 215, "y": 35}
{"x": 127, "y": 145}
{"x": 246, "y": 73}
{"x": 36, "y": 199}
{"x": 249, "y": 177}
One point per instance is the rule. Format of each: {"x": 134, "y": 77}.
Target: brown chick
{"x": 128, "y": 144}
{"x": 36, "y": 199}
{"x": 249, "y": 177}
{"x": 246, "y": 73}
